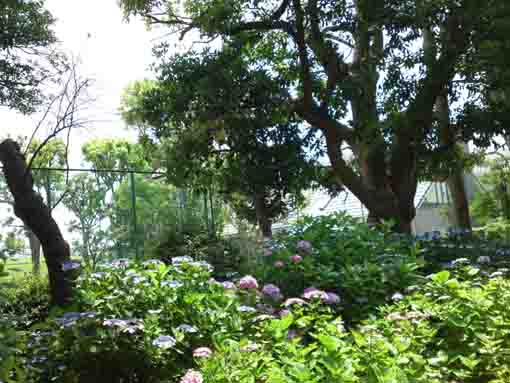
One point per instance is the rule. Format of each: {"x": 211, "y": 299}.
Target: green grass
{"x": 19, "y": 268}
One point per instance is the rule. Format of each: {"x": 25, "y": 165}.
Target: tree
{"x": 252, "y": 153}
{"x": 113, "y": 159}
{"x": 85, "y": 198}
{"x": 378, "y": 99}
{"x": 49, "y": 184}
{"x": 27, "y": 57}
{"x": 493, "y": 201}
{"x": 30, "y": 208}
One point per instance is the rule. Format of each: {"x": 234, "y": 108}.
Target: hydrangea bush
{"x": 455, "y": 328}
{"x": 361, "y": 266}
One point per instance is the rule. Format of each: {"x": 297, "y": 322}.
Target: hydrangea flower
{"x": 332, "y": 299}
{"x": 202, "y": 265}
{"x": 266, "y": 309}
{"x": 397, "y": 297}
{"x": 192, "y": 376}
{"x": 248, "y": 282}
{"x": 152, "y": 262}
{"x": 129, "y": 326}
{"x": 70, "y": 265}
{"x": 304, "y": 247}
{"x": 279, "y": 264}
{"x": 312, "y": 292}
{"x": 267, "y": 253}
{"x": 98, "y": 275}
{"x": 164, "y": 341}
{"x": 120, "y": 263}
{"x": 250, "y": 347}
{"x": 284, "y": 312}
{"x": 202, "y": 352}
{"x": 187, "y": 328}
{"x": 272, "y": 291}
{"x": 227, "y": 285}
{"x": 172, "y": 284}
{"x": 459, "y": 261}
{"x": 484, "y": 259}
{"x": 296, "y": 258}
{"x": 178, "y": 260}
{"x": 294, "y": 301}
{"x": 246, "y": 309}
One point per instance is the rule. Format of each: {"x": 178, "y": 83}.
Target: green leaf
{"x": 441, "y": 277}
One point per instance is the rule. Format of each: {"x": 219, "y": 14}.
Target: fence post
{"x": 133, "y": 205}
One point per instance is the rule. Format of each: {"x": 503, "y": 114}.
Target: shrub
{"x": 336, "y": 253}
{"x": 26, "y": 301}
{"x": 136, "y": 323}
{"x": 454, "y": 329}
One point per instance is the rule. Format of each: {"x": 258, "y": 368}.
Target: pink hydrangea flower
{"x": 304, "y": 247}
{"x": 202, "y": 352}
{"x": 192, "y": 376}
{"x": 293, "y": 301}
{"x": 279, "y": 264}
{"x": 296, "y": 258}
{"x": 332, "y": 299}
{"x": 248, "y": 282}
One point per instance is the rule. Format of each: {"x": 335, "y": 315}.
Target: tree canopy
{"x": 26, "y": 56}
{"x": 359, "y": 75}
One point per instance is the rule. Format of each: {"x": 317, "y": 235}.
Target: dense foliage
{"x": 26, "y": 32}
{"x": 380, "y": 81}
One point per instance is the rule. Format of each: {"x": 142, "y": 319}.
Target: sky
{"x": 111, "y": 51}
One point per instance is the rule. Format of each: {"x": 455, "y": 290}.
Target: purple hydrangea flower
{"x": 304, "y": 247}
{"x": 312, "y": 292}
{"x": 332, "y": 299}
{"x": 272, "y": 291}
{"x": 70, "y": 265}
{"x": 227, "y": 285}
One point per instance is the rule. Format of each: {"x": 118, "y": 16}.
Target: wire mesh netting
{"x": 106, "y": 213}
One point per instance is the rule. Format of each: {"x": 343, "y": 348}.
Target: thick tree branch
{"x": 303, "y": 54}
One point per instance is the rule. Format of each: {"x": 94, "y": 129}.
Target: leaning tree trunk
{"x": 30, "y": 208}
{"x": 35, "y": 252}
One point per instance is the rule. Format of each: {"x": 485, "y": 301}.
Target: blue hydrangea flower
{"x": 164, "y": 342}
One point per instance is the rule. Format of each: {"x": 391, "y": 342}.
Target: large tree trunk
{"x": 30, "y": 208}
{"x": 263, "y": 219}
{"x": 35, "y": 251}
{"x": 455, "y": 180}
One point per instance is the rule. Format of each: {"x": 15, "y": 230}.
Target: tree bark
{"x": 455, "y": 180}
{"x": 35, "y": 251}
{"x": 263, "y": 219}
{"x": 30, "y": 208}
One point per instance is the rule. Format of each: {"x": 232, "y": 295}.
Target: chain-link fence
{"x": 108, "y": 213}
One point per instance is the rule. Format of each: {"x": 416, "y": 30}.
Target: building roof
{"x": 320, "y": 203}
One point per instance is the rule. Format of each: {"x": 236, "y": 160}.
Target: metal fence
{"x": 116, "y": 213}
